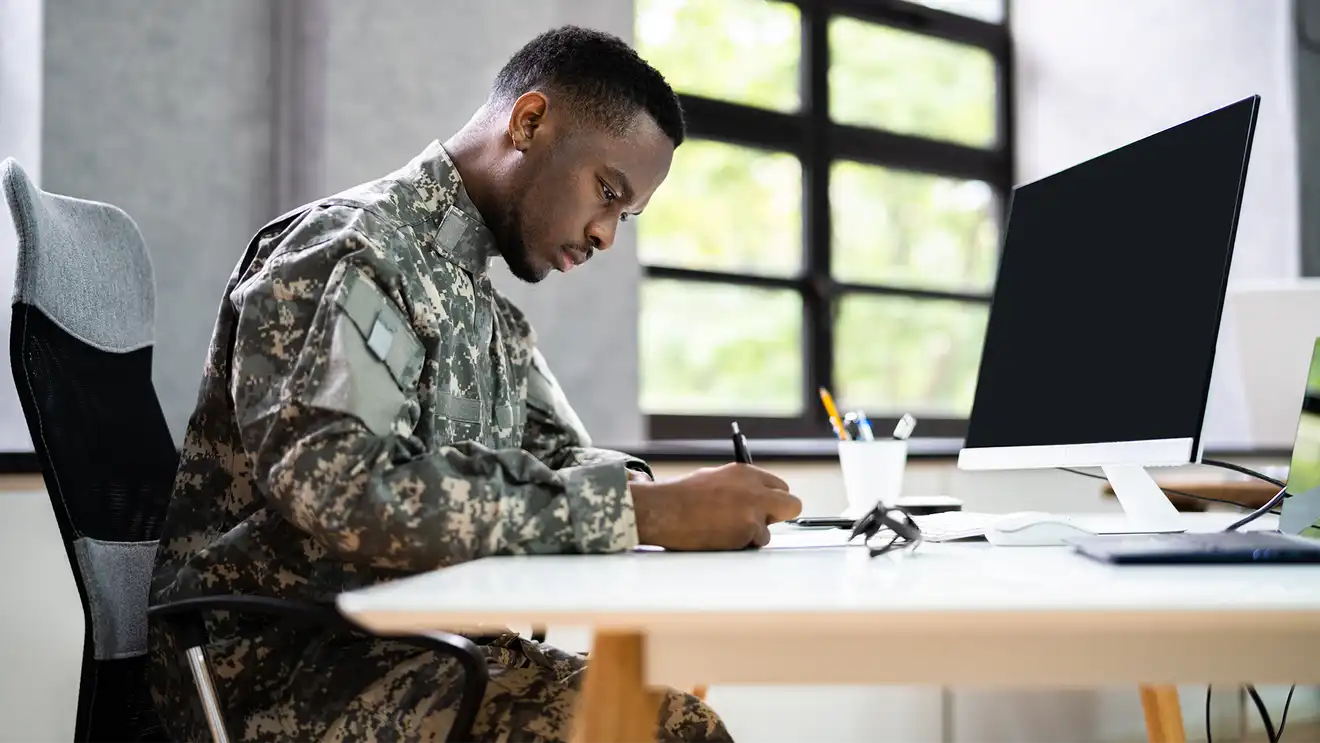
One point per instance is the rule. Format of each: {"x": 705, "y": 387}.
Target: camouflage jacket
{"x": 372, "y": 406}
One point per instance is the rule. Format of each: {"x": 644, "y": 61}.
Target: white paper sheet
{"x": 789, "y": 537}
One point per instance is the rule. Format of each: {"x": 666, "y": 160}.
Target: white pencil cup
{"x": 872, "y": 472}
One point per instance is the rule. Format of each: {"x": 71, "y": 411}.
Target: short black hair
{"x": 599, "y": 72}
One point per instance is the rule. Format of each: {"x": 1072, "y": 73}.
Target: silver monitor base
{"x": 1146, "y": 507}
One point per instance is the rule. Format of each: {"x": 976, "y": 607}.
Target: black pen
{"x": 740, "y": 453}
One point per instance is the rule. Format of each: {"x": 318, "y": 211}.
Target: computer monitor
{"x": 1104, "y": 320}
{"x": 1301, "y": 502}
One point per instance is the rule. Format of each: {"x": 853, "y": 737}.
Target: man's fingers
{"x": 762, "y": 536}
{"x": 767, "y": 479}
{"x": 781, "y": 505}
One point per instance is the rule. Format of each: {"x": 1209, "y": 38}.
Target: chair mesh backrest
{"x": 80, "y": 350}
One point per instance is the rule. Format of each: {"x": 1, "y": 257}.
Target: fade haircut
{"x": 598, "y": 74}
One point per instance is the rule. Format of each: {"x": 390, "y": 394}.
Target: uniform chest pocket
{"x": 460, "y": 418}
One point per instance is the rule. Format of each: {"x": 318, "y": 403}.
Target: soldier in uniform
{"x": 372, "y": 407}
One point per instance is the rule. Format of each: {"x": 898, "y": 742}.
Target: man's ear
{"x": 526, "y": 118}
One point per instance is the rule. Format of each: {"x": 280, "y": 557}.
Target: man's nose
{"x": 601, "y": 236}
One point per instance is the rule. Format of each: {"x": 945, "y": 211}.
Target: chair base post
{"x": 206, "y": 691}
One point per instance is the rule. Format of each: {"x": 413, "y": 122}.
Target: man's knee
{"x": 685, "y": 718}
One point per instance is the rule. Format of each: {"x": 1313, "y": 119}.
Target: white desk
{"x": 950, "y": 613}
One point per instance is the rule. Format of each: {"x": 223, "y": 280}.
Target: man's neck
{"x": 477, "y": 160}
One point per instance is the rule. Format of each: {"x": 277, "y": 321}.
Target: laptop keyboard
{"x": 1231, "y": 541}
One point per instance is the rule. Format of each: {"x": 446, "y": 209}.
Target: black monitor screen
{"x": 1111, "y": 284}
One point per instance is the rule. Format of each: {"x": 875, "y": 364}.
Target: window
{"x": 833, "y": 218}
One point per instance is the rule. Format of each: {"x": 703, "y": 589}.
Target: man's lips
{"x": 568, "y": 258}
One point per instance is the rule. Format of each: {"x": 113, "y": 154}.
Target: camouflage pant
{"x": 283, "y": 685}
{"x": 531, "y": 697}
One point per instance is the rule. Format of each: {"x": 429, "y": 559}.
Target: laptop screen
{"x": 1301, "y": 507}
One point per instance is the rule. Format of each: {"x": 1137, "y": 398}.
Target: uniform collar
{"x": 462, "y": 236}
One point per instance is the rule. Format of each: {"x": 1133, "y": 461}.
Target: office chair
{"x": 80, "y": 351}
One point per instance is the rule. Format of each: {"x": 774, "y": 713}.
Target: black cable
{"x": 1208, "y": 737}
{"x": 1286, "y": 704}
{"x": 1244, "y": 470}
{"x": 1167, "y": 491}
{"x": 1267, "y": 508}
{"x": 1264, "y": 714}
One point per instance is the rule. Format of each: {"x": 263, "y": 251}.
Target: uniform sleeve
{"x": 324, "y": 379}
{"x": 555, "y": 434}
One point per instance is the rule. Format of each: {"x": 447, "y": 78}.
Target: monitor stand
{"x": 1147, "y": 508}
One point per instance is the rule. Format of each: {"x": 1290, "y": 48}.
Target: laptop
{"x": 1301, "y": 501}
{"x": 1270, "y": 326}
{"x": 1297, "y": 539}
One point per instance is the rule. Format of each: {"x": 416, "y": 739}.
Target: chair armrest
{"x": 299, "y": 610}
{"x": 186, "y": 616}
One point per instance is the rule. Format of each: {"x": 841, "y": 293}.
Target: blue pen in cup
{"x": 864, "y": 426}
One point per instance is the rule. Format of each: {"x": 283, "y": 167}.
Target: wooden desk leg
{"x": 1163, "y": 714}
{"x": 615, "y": 706}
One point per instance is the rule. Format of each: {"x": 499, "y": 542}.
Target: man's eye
{"x": 609, "y": 193}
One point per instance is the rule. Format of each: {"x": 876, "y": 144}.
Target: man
{"x": 372, "y": 407}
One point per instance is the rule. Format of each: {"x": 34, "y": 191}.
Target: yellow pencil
{"x": 828, "y": 401}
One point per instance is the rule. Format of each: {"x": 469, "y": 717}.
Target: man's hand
{"x": 717, "y": 508}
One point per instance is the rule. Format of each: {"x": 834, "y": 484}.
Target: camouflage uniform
{"x": 372, "y": 407}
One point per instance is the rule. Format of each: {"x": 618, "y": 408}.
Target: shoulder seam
{"x": 395, "y": 225}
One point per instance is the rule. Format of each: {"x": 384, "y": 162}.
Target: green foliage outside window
{"x": 716, "y": 349}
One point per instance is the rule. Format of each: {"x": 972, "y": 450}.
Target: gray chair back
{"x": 80, "y": 350}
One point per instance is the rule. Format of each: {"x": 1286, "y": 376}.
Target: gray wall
{"x": 20, "y": 137}
{"x": 1307, "y": 30}
{"x": 205, "y": 119}
{"x": 1091, "y": 78}
{"x": 164, "y": 109}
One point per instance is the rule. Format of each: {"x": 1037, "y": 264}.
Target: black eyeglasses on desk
{"x": 902, "y": 530}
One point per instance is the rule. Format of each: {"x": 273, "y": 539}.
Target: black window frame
{"x": 818, "y": 142}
